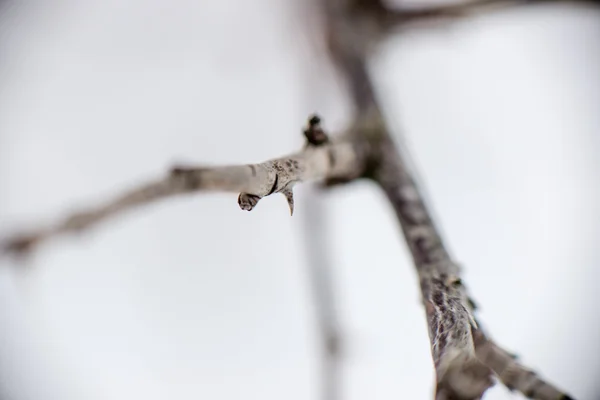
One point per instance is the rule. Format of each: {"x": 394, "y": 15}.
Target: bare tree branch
{"x": 341, "y": 158}
{"x": 459, "y": 374}
{"x": 449, "y": 313}
{"x": 513, "y": 375}
{"x": 448, "y": 306}
{"x": 463, "y": 365}
{"x": 463, "y": 356}
{"x": 389, "y": 18}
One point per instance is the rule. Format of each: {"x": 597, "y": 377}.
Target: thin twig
{"x": 512, "y": 374}
{"x": 341, "y": 158}
{"x": 463, "y": 356}
{"x": 323, "y": 295}
{"x": 389, "y": 19}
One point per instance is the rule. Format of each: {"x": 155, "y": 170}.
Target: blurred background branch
{"x": 390, "y": 17}
{"x": 317, "y": 240}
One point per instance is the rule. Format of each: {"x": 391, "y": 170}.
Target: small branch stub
{"x": 315, "y": 136}
{"x": 289, "y": 196}
{"x": 248, "y": 201}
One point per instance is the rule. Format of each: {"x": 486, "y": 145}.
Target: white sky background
{"x": 195, "y": 299}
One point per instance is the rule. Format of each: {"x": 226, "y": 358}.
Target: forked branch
{"x": 463, "y": 357}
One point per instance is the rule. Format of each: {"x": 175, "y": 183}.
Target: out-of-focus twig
{"x": 324, "y": 295}
{"x": 402, "y": 17}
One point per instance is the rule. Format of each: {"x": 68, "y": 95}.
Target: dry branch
{"x": 461, "y": 351}
{"x": 460, "y": 374}
{"x": 463, "y": 357}
{"x": 391, "y": 18}
{"x": 320, "y": 159}
{"x": 513, "y": 375}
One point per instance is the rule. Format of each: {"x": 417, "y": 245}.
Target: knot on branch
{"x": 315, "y": 136}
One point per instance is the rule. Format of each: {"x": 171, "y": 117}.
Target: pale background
{"x": 195, "y": 299}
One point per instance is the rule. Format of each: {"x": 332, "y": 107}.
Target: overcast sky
{"x": 193, "y": 298}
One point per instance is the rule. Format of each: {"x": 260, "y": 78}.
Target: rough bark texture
{"x": 465, "y": 359}
{"x": 338, "y": 159}
{"x": 449, "y": 313}
{"x": 463, "y": 365}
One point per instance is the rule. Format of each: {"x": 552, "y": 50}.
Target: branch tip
{"x": 248, "y": 201}
{"x": 289, "y": 196}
